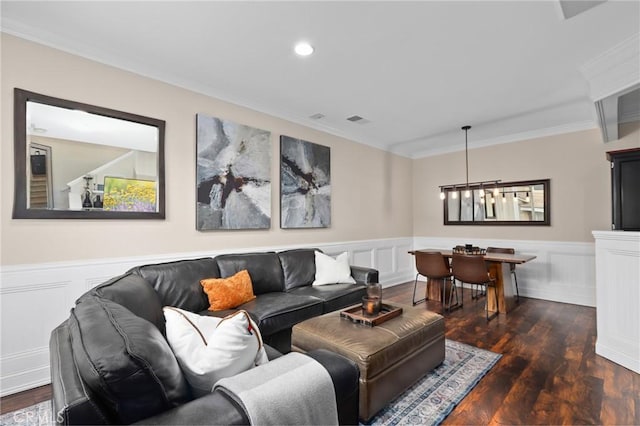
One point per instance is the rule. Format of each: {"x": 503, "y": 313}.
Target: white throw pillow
{"x": 209, "y": 348}
{"x": 333, "y": 271}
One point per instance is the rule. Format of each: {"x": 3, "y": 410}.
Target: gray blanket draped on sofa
{"x": 279, "y": 392}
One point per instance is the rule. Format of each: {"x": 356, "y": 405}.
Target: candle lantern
{"x": 372, "y": 302}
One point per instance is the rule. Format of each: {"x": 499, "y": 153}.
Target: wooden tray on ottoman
{"x": 355, "y": 314}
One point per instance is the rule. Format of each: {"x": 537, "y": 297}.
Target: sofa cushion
{"x": 278, "y": 311}
{"x": 128, "y": 290}
{"x": 298, "y": 267}
{"x": 335, "y": 296}
{"x": 209, "y": 349}
{"x": 227, "y": 293}
{"x": 264, "y": 269}
{"x": 178, "y": 283}
{"x": 125, "y": 360}
{"x": 332, "y": 271}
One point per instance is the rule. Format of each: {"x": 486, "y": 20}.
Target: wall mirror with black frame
{"x": 501, "y": 203}
{"x": 79, "y": 161}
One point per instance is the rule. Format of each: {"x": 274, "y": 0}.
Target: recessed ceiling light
{"x": 303, "y": 49}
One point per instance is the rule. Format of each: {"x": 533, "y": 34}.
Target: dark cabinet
{"x": 625, "y": 189}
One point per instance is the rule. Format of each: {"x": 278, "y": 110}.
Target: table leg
{"x": 433, "y": 290}
{"x": 506, "y": 299}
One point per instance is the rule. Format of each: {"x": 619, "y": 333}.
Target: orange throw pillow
{"x": 228, "y": 293}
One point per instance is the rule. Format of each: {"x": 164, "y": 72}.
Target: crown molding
{"x": 77, "y": 48}
{"x": 607, "y": 111}
{"x": 515, "y": 137}
{"x": 614, "y": 70}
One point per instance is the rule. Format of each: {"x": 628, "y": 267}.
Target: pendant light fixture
{"x": 452, "y": 190}
{"x": 467, "y": 193}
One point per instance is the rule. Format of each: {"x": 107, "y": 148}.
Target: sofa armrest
{"x": 72, "y": 401}
{"x": 345, "y": 376}
{"x": 364, "y": 275}
{"x": 217, "y": 408}
{"x": 212, "y": 409}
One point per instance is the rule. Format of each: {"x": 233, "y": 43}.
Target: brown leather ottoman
{"x": 392, "y": 356}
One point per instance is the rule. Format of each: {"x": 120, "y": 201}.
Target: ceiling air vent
{"x": 358, "y": 119}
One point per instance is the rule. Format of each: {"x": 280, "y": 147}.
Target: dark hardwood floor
{"x": 548, "y": 374}
{"x": 24, "y": 399}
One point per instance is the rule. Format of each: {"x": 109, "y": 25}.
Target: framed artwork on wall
{"x": 305, "y": 184}
{"x": 233, "y": 175}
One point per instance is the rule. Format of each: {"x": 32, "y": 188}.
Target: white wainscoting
{"x": 35, "y": 298}
{"x": 618, "y": 289}
{"x": 562, "y": 271}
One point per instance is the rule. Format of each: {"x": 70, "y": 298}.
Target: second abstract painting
{"x": 305, "y": 184}
{"x": 233, "y": 175}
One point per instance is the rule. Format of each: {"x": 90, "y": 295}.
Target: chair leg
{"x": 477, "y": 291}
{"x": 515, "y": 279}
{"x": 454, "y": 288}
{"x": 415, "y": 284}
{"x": 451, "y": 291}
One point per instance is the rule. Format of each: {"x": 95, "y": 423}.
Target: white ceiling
{"x": 81, "y": 126}
{"x": 416, "y": 71}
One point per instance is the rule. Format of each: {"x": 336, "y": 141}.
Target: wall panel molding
{"x": 562, "y": 272}
{"x": 35, "y": 298}
{"x": 618, "y": 295}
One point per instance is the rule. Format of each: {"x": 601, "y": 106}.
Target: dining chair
{"x": 511, "y": 265}
{"x": 434, "y": 266}
{"x": 472, "y": 269}
{"x": 475, "y": 290}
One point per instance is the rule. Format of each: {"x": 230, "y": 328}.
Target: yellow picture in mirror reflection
{"x": 130, "y": 195}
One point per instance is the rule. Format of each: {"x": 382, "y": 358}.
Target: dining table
{"x": 499, "y": 265}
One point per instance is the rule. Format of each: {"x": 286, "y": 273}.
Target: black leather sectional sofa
{"x": 111, "y": 363}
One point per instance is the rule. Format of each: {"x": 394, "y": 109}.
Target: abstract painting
{"x": 129, "y": 195}
{"x": 305, "y": 184}
{"x": 233, "y": 175}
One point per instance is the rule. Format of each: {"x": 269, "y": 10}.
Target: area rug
{"x": 428, "y": 402}
{"x": 433, "y": 397}
{"x": 35, "y": 415}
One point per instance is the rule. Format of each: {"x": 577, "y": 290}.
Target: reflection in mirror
{"x": 76, "y": 160}
{"x": 505, "y": 203}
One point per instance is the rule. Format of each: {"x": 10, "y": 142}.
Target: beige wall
{"x": 575, "y": 162}
{"x": 371, "y": 189}
{"x": 375, "y": 194}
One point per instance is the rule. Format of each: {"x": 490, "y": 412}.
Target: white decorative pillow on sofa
{"x": 332, "y": 271}
{"x": 210, "y": 348}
